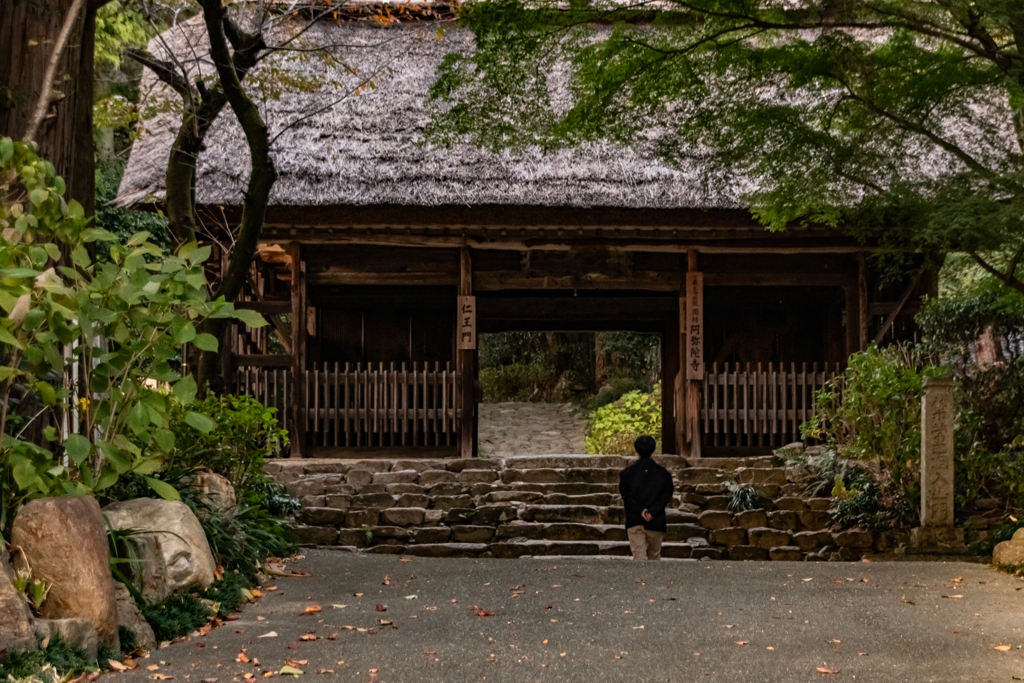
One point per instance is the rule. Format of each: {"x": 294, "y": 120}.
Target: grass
{"x": 55, "y": 662}
{"x": 184, "y": 613}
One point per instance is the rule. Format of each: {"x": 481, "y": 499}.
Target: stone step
{"x": 513, "y": 549}
{"x": 568, "y": 531}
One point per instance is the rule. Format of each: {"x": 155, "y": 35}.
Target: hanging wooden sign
{"x": 694, "y": 349}
{"x": 466, "y": 323}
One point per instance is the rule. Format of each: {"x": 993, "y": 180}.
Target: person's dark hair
{"x": 644, "y": 446}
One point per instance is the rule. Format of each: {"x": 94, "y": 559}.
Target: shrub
{"x": 614, "y": 427}
{"x": 242, "y": 539}
{"x": 177, "y": 616}
{"x": 57, "y": 661}
{"x": 873, "y": 410}
{"x": 743, "y": 497}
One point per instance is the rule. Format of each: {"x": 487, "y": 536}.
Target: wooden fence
{"x": 744, "y": 406}
{"x": 271, "y": 386}
{"x": 352, "y": 405}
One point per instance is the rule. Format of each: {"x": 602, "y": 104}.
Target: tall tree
{"x": 901, "y": 121}
{"x": 35, "y": 65}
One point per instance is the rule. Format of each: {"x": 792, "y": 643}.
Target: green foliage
{"x": 873, "y": 410}
{"x": 231, "y": 592}
{"x": 614, "y": 428}
{"x": 869, "y": 507}
{"x": 242, "y": 434}
{"x": 128, "y": 638}
{"x": 122, "y": 321}
{"x": 825, "y": 470}
{"x": 743, "y": 497}
{"x": 123, "y": 222}
{"x": 177, "y": 616}
{"x": 242, "y": 539}
{"x": 844, "y": 126}
{"x": 536, "y": 366}
{"x": 57, "y": 662}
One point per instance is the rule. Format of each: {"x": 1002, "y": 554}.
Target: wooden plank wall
{"x": 744, "y": 406}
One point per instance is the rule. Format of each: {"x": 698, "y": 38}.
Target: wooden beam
{"x": 899, "y": 307}
{"x": 266, "y": 307}
{"x": 887, "y": 307}
{"x": 863, "y": 313}
{"x": 262, "y": 360}
{"x": 466, "y": 364}
{"x": 298, "y": 307}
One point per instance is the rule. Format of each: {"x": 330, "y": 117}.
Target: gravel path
{"x": 508, "y": 429}
{"x": 569, "y": 620}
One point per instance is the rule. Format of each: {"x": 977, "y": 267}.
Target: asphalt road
{"x": 592, "y": 620}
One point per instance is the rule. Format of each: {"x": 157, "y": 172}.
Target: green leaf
{"x": 163, "y": 489}
{"x": 39, "y": 196}
{"x": 185, "y": 389}
{"x": 107, "y": 479}
{"x": 137, "y": 238}
{"x": 164, "y": 440}
{"x": 138, "y": 418}
{"x": 78, "y": 448}
{"x": 205, "y": 342}
{"x": 186, "y": 334}
{"x": 250, "y": 318}
{"x": 199, "y": 422}
{"x": 6, "y": 150}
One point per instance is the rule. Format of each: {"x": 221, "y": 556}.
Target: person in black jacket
{"x": 646, "y": 488}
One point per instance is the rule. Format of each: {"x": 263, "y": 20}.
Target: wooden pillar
{"x": 298, "y": 334}
{"x": 863, "y": 312}
{"x": 466, "y": 345}
{"x": 852, "y": 317}
{"x": 671, "y": 421}
{"x": 693, "y": 351}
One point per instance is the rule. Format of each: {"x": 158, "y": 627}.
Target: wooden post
{"x": 671, "y": 424}
{"x": 679, "y": 379}
{"x": 298, "y": 338}
{"x": 863, "y": 314}
{"x": 693, "y": 354}
{"x": 465, "y": 328}
{"x": 852, "y": 317}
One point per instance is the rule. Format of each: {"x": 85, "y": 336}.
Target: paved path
{"x": 508, "y": 429}
{"x": 592, "y": 621}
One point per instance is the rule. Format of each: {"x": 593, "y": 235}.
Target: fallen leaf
{"x": 907, "y": 602}
{"x": 810, "y": 579}
{"x": 386, "y": 581}
{"x": 742, "y": 642}
{"x": 242, "y": 657}
{"x": 358, "y": 595}
{"x": 953, "y": 597}
{"x": 325, "y": 671}
{"x": 161, "y": 677}
{"x": 381, "y": 607}
{"x": 562, "y": 655}
{"x": 404, "y": 559}
{"x": 311, "y": 609}
{"x": 296, "y": 662}
{"x": 862, "y": 654}
{"x": 373, "y": 671}
{"x": 411, "y": 597}
{"x": 384, "y": 622}
{"x": 153, "y": 667}
{"x": 308, "y": 637}
{"x": 333, "y": 636}
{"x": 1002, "y": 648}
{"x": 272, "y": 634}
{"x": 836, "y": 641}
{"x": 769, "y": 648}
{"x": 116, "y": 665}
{"x": 290, "y": 670}
{"x": 826, "y": 670}
{"x": 339, "y": 606}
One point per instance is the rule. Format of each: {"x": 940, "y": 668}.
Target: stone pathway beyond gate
{"x": 508, "y": 429}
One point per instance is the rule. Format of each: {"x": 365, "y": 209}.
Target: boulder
{"x": 214, "y": 493}
{"x": 745, "y": 552}
{"x": 790, "y": 503}
{"x": 356, "y": 518}
{"x": 853, "y": 538}
{"x": 374, "y": 500}
{"x": 403, "y": 516}
{"x": 315, "y": 535}
{"x": 730, "y": 535}
{"x": 477, "y": 476}
{"x": 1010, "y": 553}
{"x": 359, "y": 477}
{"x": 749, "y": 519}
{"x": 432, "y": 534}
{"x": 15, "y": 616}
{"x": 464, "y": 533}
{"x": 129, "y": 615}
{"x": 715, "y": 519}
{"x": 787, "y": 520}
{"x": 399, "y": 477}
{"x": 786, "y": 553}
{"x": 78, "y": 633}
{"x": 413, "y": 500}
{"x": 811, "y": 540}
{"x": 767, "y": 539}
{"x": 434, "y": 477}
{"x": 321, "y": 516}
{"x": 717, "y": 502}
{"x": 171, "y": 545}
{"x": 65, "y": 544}
{"x": 814, "y": 520}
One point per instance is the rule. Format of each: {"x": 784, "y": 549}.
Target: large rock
{"x": 129, "y": 616}
{"x": 170, "y": 543}
{"x": 1010, "y": 553}
{"x": 213, "y": 492}
{"x": 15, "y": 617}
{"x": 65, "y": 544}
{"x": 78, "y": 633}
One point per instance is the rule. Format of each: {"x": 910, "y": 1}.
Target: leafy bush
{"x": 141, "y": 304}
{"x": 825, "y": 470}
{"x": 242, "y": 539}
{"x": 242, "y": 433}
{"x": 873, "y": 410}
{"x": 184, "y": 613}
{"x": 614, "y": 428}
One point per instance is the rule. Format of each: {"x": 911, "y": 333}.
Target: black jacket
{"x": 646, "y": 485}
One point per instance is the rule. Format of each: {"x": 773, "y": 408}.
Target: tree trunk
{"x": 28, "y": 29}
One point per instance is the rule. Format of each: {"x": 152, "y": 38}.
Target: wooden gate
{"x": 745, "y": 407}
{"x": 358, "y": 406}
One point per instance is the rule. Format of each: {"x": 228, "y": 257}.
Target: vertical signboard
{"x": 466, "y": 323}
{"x": 694, "y": 349}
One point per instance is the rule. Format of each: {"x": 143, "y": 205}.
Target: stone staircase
{"x": 557, "y": 505}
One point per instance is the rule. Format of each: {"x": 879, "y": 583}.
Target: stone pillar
{"x": 937, "y": 412}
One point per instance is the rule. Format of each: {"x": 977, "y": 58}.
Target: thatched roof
{"x": 368, "y": 150}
